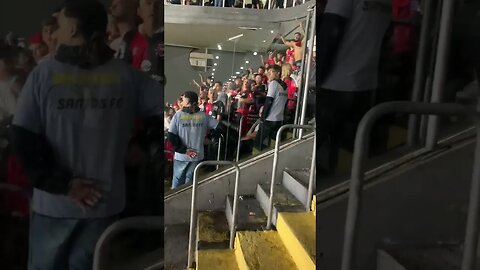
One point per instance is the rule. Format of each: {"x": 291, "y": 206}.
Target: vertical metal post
{"x": 471, "y": 234}
{"x": 419, "y": 81}
{"x": 244, "y": 4}
{"x": 193, "y": 210}
{"x": 296, "y": 120}
{"x": 308, "y": 62}
{"x": 219, "y": 150}
{"x": 229, "y": 101}
{"x": 274, "y": 168}
{"x": 441, "y": 68}
{"x": 240, "y": 126}
{"x": 311, "y": 180}
{"x": 183, "y": 2}
{"x": 285, "y": 3}
{"x": 223, "y": 3}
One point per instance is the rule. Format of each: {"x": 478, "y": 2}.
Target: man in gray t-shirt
{"x": 350, "y": 40}
{"x": 73, "y": 121}
{"x": 187, "y": 132}
{"x": 274, "y": 108}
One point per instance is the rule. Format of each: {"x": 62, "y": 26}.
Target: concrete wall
{"x": 180, "y": 74}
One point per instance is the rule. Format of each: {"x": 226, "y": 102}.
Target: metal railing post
{"x": 193, "y": 212}
{"x": 139, "y": 223}
{"x": 219, "y": 149}
{"x": 308, "y": 63}
{"x": 240, "y": 126}
{"x": 361, "y": 147}
{"x": 311, "y": 180}
{"x": 223, "y": 3}
{"x": 274, "y": 167}
{"x": 441, "y": 68}
{"x": 296, "y": 120}
{"x": 419, "y": 82}
{"x": 229, "y": 105}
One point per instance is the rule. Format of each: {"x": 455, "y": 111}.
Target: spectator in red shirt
{"x": 133, "y": 47}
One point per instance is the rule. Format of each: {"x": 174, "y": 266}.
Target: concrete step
{"x": 216, "y": 259}
{"x": 438, "y": 257}
{"x": 250, "y": 215}
{"x": 262, "y": 250}
{"x": 296, "y": 182}
{"x": 283, "y": 200}
{"x": 212, "y": 230}
{"x": 298, "y": 233}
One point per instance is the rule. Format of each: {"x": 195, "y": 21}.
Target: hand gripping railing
{"x": 274, "y": 169}
{"x": 362, "y": 141}
{"x": 240, "y": 133}
{"x": 139, "y": 223}
{"x": 193, "y": 213}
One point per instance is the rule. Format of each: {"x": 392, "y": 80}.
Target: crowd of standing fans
{"x": 262, "y": 100}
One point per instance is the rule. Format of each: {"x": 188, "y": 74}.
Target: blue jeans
{"x": 218, "y": 3}
{"x": 64, "y": 244}
{"x": 183, "y": 172}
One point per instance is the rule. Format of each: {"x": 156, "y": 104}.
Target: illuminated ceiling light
{"x": 246, "y": 62}
{"x": 264, "y": 41}
{"x": 254, "y": 53}
{"x": 219, "y": 47}
{"x": 271, "y": 31}
{"x": 213, "y": 74}
{"x": 214, "y": 64}
{"x": 213, "y": 69}
{"x": 238, "y": 72}
{"x": 217, "y": 57}
{"x": 241, "y": 67}
{"x": 235, "y": 37}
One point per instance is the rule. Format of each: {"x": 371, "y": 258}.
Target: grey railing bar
{"x": 309, "y": 54}
{"x": 358, "y": 167}
{"x": 441, "y": 67}
{"x": 275, "y": 164}
{"x": 296, "y": 120}
{"x": 219, "y": 149}
{"x": 139, "y": 223}
{"x": 193, "y": 212}
{"x": 229, "y": 105}
{"x": 312, "y": 178}
{"x": 419, "y": 82}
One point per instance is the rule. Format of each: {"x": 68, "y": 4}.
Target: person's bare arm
{"x": 288, "y": 43}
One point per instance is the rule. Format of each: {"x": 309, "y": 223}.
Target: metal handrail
{"x": 193, "y": 213}
{"x": 219, "y": 151}
{"x": 229, "y": 105}
{"x": 270, "y": 3}
{"x": 141, "y": 223}
{"x": 275, "y": 164}
{"x": 358, "y": 170}
{"x": 240, "y": 133}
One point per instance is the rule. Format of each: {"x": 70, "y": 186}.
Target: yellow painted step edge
{"x": 298, "y": 252}
{"x": 216, "y": 259}
{"x": 242, "y": 264}
{"x": 314, "y": 205}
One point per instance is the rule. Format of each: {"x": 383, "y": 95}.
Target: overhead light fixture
{"x": 241, "y": 67}
{"x": 248, "y": 28}
{"x": 217, "y": 57}
{"x": 213, "y": 69}
{"x": 254, "y": 53}
{"x": 264, "y": 41}
{"x": 271, "y": 31}
{"x": 246, "y": 62}
{"x": 219, "y": 47}
{"x": 235, "y": 37}
{"x": 213, "y": 74}
{"x": 214, "y": 64}
{"x": 238, "y": 72}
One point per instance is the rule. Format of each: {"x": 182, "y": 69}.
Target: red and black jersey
{"x": 134, "y": 49}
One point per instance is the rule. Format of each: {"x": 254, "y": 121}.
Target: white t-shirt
{"x": 280, "y": 97}
{"x": 355, "y": 67}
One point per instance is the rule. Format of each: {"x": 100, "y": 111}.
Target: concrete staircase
{"x": 291, "y": 245}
